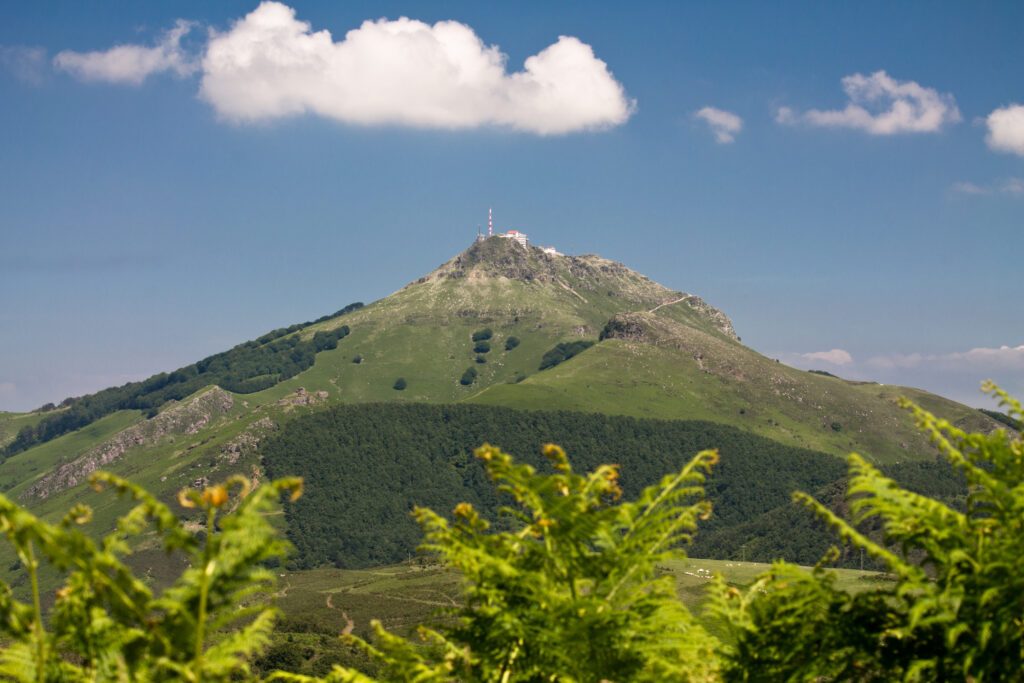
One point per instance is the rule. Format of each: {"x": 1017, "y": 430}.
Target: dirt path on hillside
{"x": 669, "y": 303}
{"x": 349, "y": 624}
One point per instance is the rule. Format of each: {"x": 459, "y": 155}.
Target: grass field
{"x": 405, "y": 595}
{"x": 321, "y": 604}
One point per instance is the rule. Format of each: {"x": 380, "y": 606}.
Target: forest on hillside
{"x": 367, "y": 466}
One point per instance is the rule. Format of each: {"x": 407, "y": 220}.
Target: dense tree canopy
{"x": 373, "y": 463}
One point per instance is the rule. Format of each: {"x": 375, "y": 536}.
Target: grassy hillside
{"x": 669, "y": 370}
{"x": 321, "y": 603}
{"x": 12, "y": 423}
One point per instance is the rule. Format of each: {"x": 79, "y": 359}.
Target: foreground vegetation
{"x": 569, "y": 589}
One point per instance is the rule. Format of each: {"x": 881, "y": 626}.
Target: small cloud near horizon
{"x": 956, "y": 374}
{"x": 833, "y": 357}
{"x": 1013, "y": 187}
{"x": 724, "y": 124}
{"x": 881, "y": 105}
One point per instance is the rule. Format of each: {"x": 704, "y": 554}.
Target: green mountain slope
{"x": 664, "y": 354}
{"x": 651, "y": 365}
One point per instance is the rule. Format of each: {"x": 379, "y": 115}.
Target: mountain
{"x": 476, "y": 330}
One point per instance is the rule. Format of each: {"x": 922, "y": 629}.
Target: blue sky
{"x": 851, "y": 195}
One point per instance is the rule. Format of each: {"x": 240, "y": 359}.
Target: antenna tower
{"x": 490, "y": 223}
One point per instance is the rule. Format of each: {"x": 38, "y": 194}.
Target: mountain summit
{"x": 501, "y": 324}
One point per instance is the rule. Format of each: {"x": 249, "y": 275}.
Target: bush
{"x": 481, "y": 359}
{"x": 468, "y": 377}
{"x": 953, "y": 609}
{"x": 482, "y": 347}
{"x": 563, "y": 352}
{"x": 482, "y": 335}
{"x": 108, "y": 625}
{"x": 836, "y": 427}
{"x": 357, "y": 359}
{"x": 399, "y": 384}
{"x": 511, "y": 343}
{"x": 571, "y": 591}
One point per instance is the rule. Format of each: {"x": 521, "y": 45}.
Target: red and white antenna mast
{"x": 490, "y": 223}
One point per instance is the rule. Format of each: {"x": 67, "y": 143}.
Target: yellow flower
{"x": 553, "y": 451}
{"x": 215, "y": 496}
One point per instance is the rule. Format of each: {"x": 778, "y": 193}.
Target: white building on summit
{"x": 517, "y": 236}
{"x": 521, "y": 237}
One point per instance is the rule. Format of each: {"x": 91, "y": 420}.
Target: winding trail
{"x": 669, "y": 303}
{"x": 349, "y": 624}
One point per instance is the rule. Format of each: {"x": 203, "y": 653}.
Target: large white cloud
{"x": 404, "y": 72}
{"x": 131, "y": 64}
{"x": 1006, "y": 129}
{"x": 881, "y": 105}
{"x": 724, "y": 124}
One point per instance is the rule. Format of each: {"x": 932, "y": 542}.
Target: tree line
{"x": 247, "y": 368}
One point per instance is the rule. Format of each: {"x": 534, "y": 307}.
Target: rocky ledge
{"x": 182, "y": 418}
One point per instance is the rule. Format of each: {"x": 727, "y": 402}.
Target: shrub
{"x": 563, "y": 352}
{"x": 482, "y": 335}
{"x": 953, "y": 609}
{"x": 357, "y": 359}
{"x": 570, "y": 591}
{"x": 836, "y": 427}
{"x": 399, "y": 384}
{"x": 107, "y": 624}
{"x": 511, "y": 343}
{"x": 482, "y": 347}
{"x": 481, "y": 359}
{"x": 468, "y": 377}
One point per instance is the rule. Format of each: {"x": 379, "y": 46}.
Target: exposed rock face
{"x": 498, "y": 257}
{"x": 587, "y": 278}
{"x": 301, "y": 397}
{"x": 716, "y": 316}
{"x": 183, "y": 418}
{"x": 246, "y": 442}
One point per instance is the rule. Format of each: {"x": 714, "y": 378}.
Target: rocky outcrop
{"x": 181, "y": 418}
{"x": 717, "y": 318}
{"x": 247, "y": 442}
{"x": 301, "y": 397}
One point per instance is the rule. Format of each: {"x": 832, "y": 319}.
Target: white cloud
{"x": 1013, "y": 186}
{"x": 990, "y": 358}
{"x": 1007, "y": 186}
{"x": 404, "y": 72}
{"x": 724, "y": 124}
{"x": 881, "y": 105}
{"x": 834, "y": 357}
{"x": 131, "y": 64}
{"x": 27, "y": 64}
{"x": 1006, "y": 129}
{"x": 967, "y": 187}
